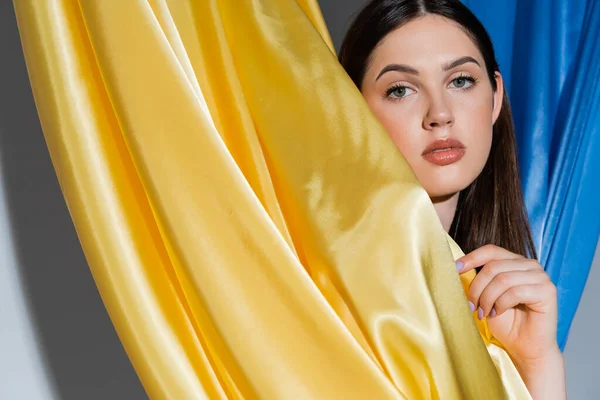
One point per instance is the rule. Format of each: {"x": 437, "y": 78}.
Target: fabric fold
{"x": 252, "y": 230}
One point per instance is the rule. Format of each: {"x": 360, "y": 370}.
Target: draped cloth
{"x": 251, "y": 228}
{"x": 555, "y": 49}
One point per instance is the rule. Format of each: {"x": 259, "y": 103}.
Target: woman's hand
{"x": 520, "y": 302}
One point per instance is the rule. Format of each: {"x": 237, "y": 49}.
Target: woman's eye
{"x": 399, "y": 92}
{"x": 462, "y": 82}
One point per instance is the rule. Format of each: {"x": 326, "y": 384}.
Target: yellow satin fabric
{"x": 252, "y": 230}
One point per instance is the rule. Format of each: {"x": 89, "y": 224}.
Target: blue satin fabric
{"x": 549, "y": 55}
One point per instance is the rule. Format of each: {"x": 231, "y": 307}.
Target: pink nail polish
{"x": 459, "y": 266}
{"x": 480, "y": 313}
{"x": 471, "y": 306}
{"x": 493, "y": 312}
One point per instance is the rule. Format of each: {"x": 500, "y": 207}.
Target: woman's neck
{"x": 446, "y": 208}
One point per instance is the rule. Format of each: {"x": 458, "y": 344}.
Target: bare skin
{"x": 438, "y": 89}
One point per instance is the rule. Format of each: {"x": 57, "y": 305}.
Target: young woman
{"x": 427, "y": 70}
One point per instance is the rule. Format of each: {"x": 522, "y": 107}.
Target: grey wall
{"x": 338, "y": 15}
{"x": 56, "y": 341}
{"x": 582, "y": 353}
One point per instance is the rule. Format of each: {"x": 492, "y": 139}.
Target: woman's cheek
{"x": 480, "y": 150}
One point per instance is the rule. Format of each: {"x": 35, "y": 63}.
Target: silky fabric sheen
{"x": 557, "y": 122}
{"x": 253, "y": 231}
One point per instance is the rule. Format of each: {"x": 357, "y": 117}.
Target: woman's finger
{"x": 529, "y": 295}
{"x": 494, "y": 268}
{"x": 502, "y": 283}
{"x": 482, "y": 256}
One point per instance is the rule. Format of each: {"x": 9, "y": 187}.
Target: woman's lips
{"x": 444, "y": 151}
{"x": 445, "y": 156}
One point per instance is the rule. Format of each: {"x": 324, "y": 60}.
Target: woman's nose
{"x": 438, "y": 115}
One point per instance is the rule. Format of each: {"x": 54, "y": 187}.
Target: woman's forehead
{"x": 424, "y": 41}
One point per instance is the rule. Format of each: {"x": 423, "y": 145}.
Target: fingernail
{"x": 472, "y": 306}
{"x": 493, "y": 312}
{"x": 459, "y": 265}
{"x": 480, "y": 313}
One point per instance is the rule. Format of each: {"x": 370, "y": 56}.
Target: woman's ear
{"x": 498, "y": 97}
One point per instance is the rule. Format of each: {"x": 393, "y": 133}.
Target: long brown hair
{"x": 491, "y": 210}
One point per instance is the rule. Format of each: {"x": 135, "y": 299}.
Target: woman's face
{"x": 427, "y": 82}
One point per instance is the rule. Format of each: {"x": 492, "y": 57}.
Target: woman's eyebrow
{"x": 412, "y": 71}
{"x": 458, "y": 62}
{"x": 399, "y": 68}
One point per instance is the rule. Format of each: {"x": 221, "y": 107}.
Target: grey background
{"x": 56, "y": 340}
